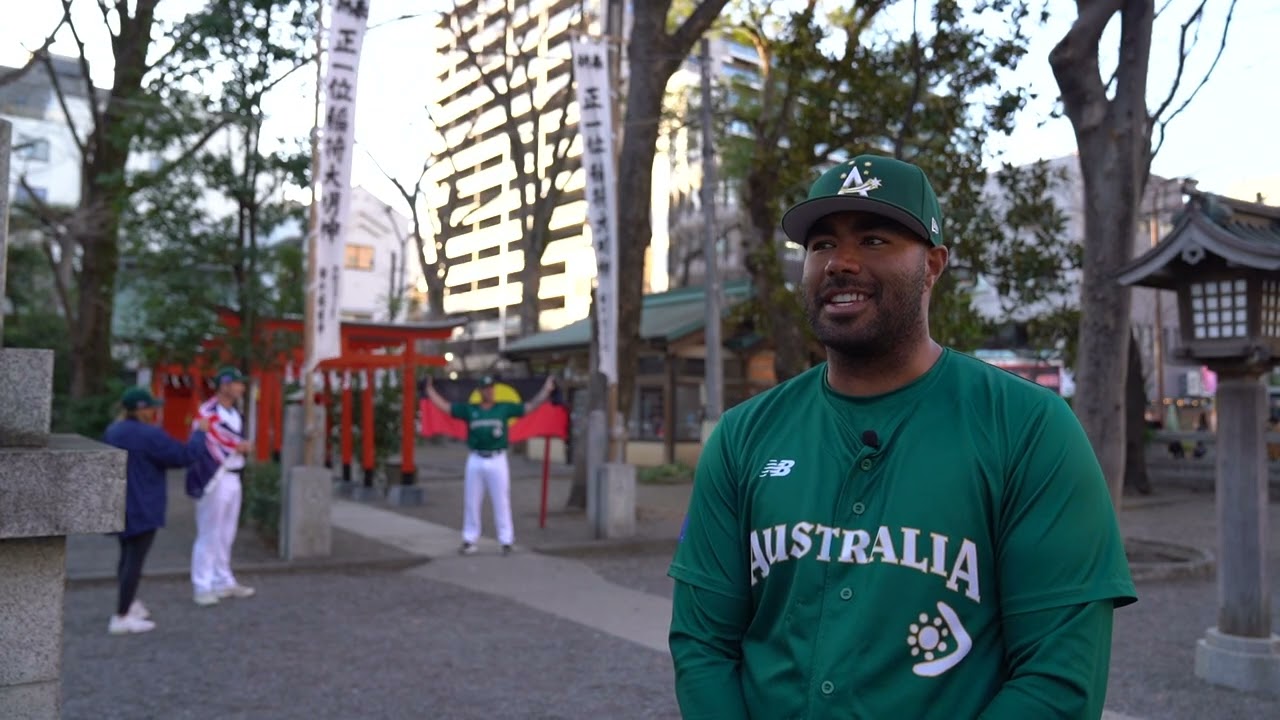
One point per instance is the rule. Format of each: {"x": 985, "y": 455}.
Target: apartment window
{"x": 28, "y": 196}
{"x": 359, "y": 257}
{"x": 31, "y": 148}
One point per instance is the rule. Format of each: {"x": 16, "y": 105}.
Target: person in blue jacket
{"x": 151, "y": 452}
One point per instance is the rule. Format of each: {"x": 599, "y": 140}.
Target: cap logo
{"x": 854, "y": 184}
{"x": 933, "y": 225}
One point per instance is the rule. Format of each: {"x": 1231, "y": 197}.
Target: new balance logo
{"x": 777, "y": 468}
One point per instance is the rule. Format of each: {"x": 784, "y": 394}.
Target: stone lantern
{"x": 1223, "y": 260}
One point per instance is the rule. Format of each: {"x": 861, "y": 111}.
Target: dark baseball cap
{"x": 138, "y": 398}
{"x": 229, "y": 375}
{"x": 486, "y": 380}
{"x": 874, "y": 184}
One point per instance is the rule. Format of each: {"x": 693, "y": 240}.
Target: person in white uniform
{"x": 218, "y": 508}
{"x": 487, "y": 468}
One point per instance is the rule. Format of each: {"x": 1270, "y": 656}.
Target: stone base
{"x": 365, "y": 493}
{"x": 344, "y": 489}
{"x": 305, "y": 524}
{"x": 26, "y": 385}
{"x": 617, "y": 501}
{"x": 36, "y": 701}
{"x": 1249, "y": 664}
{"x": 71, "y": 485}
{"x": 406, "y": 495}
{"x": 31, "y": 596}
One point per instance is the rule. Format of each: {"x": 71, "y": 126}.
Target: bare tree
{"x": 1114, "y": 133}
{"x": 538, "y": 134}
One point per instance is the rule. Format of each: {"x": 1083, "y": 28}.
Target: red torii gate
{"x": 366, "y": 347}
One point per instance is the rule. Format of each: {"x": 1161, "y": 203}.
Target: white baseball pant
{"x": 494, "y": 475}
{"x": 217, "y": 517}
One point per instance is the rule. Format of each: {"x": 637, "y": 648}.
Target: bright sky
{"x": 1225, "y": 139}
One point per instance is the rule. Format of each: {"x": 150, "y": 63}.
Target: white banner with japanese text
{"x": 595, "y": 108}
{"x": 333, "y": 176}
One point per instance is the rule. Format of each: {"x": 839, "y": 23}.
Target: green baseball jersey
{"x": 881, "y": 540}
{"x": 487, "y": 427}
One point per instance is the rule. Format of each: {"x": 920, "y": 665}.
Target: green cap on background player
{"x": 874, "y": 184}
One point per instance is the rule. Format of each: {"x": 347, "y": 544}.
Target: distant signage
{"x": 595, "y": 109}
{"x": 333, "y": 177}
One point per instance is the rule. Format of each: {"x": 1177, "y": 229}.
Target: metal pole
{"x": 713, "y": 365}
{"x": 310, "y": 431}
{"x": 1158, "y": 349}
{"x": 6, "y": 146}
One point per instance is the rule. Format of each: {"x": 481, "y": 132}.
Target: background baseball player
{"x": 903, "y": 531}
{"x": 487, "y": 467}
{"x": 218, "y": 506}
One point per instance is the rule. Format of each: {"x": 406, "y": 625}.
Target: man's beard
{"x": 896, "y": 318}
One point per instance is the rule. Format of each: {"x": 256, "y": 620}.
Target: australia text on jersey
{"x": 900, "y": 546}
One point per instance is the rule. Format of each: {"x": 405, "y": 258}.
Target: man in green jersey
{"x": 487, "y": 468}
{"x": 903, "y": 531}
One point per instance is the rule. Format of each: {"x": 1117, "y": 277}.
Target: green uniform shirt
{"x": 487, "y": 427}
{"x": 878, "y": 577}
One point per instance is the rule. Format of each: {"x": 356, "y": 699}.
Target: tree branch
{"x": 1075, "y": 64}
{"x": 61, "y": 95}
{"x": 1163, "y": 122}
{"x": 149, "y": 179}
{"x": 95, "y": 109}
{"x": 39, "y": 53}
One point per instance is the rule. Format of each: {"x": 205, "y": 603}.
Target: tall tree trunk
{"x": 654, "y": 55}
{"x": 531, "y": 282}
{"x": 91, "y": 361}
{"x": 1135, "y": 428}
{"x": 1113, "y": 135}
{"x": 775, "y": 305}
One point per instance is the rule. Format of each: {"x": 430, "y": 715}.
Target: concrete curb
{"x": 1181, "y": 561}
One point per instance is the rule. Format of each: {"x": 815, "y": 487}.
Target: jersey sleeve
{"x": 459, "y": 411}
{"x": 515, "y": 410}
{"x": 711, "y": 553}
{"x": 1058, "y": 540}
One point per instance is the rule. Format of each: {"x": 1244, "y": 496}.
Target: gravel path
{"x": 366, "y": 646}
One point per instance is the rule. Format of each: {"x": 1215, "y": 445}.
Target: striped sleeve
{"x": 220, "y": 439}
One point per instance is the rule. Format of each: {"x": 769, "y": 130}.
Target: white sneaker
{"x": 128, "y": 624}
{"x": 205, "y": 599}
{"x": 138, "y": 610}
{"x": 236, "y": 591}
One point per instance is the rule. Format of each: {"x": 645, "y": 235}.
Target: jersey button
{"x": 866, "y": 463}
{"x": 859, "y": 508}
{"x": 827, "y": 687}
{"x": 846, "y": 594}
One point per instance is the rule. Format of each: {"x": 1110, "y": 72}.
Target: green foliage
{"x": 670, "y": 474}
{"x": 835, "y": 84}
{"x": 182, "y": 250}
{"x": 260, "y": 510}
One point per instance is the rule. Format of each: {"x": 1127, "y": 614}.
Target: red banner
{"x": 548, "y": 420}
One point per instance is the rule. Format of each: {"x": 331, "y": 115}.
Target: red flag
{"x": 438, "y": 422}
{"x": 546, "y": 421}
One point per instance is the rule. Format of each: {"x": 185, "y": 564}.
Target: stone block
{"x": 73, "y": 485}
{"x": 35, "y": 701}
{"x": 1248, "y": 664}
{"x": 31, "y": 610}
{"x": 617, "y": 494}
{"x": 26, "y": 393}
{"x": 306, "y": 528}
{"x": 406, "y": 495}
{"x": 365, "y": 493}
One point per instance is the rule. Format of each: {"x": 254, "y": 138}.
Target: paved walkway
{"x": 617, "y": 590}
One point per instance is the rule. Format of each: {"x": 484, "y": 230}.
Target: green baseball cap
{"x": 874, "y": 184}
{"x": 228, "y": 375}
{"x": 138, "y": 398}
{"x": 486, "y": 380}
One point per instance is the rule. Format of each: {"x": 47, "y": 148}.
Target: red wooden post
{"x": 367, "y": 426}
{"x": 347, "y": 414}
{"x": 546, "y": 470}
{"x": 325, "y": 406}
{"x": 408, "y": 385}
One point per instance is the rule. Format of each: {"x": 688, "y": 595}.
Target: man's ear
{"x": 935, "y": 262}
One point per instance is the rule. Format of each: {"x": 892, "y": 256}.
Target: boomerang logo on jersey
{"x": 940, "y": 642}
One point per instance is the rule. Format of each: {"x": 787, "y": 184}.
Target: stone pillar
{"x": 51, "y": 486}
{"x": 616, "y": 495}
{"x": 1241, "y": 652}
